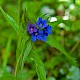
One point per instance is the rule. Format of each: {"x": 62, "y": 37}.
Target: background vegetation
{"x": 20, "y": 59}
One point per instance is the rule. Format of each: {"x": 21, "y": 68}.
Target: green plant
{"x": 25, "y": 50}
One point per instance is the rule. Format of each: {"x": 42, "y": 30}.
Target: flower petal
{"x": 44, "y": 38}
{"x": 39, "y": 19}
{"x": 33, "y": 38}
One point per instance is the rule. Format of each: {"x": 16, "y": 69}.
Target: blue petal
{"x": 44, "y": 38}
{"x": 40, "y": 32}
{"x": 49, "y": 32}
{"x": 44, "y": 21}
{"x": 38, "y": 37}
{"x": 45, "y": 25}
{"x": 33, "y": 38}
{"x": 49, "y": 27}
{"x": 39, "y": 19}
{"x": 45, "y": 34}
{"x": 40, "y": 26}
{"x": 37, "y": 23}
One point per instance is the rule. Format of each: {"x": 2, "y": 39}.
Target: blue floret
{"x": 40, "y": 32}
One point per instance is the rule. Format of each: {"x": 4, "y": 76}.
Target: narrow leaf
{"x": 54, "y": 43}
{"x": 21, "y": 46}
{"x": 19, "y": 52}
{"x": 5, "y": 60}
{"x": 39, "y": 65}
{"x": 26, "y": 52}
{"x": 11, "y": 21}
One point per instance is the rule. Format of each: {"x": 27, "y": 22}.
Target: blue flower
{"x": 42, "y": 36}
{"x": 40, "y": 33}
{"x": 35, "y": 36}
{"x": 47, "y": 30}
{"x": 38, "y": 36}
{"x": 41, "y": 23}
{"x": 31, "y": 28}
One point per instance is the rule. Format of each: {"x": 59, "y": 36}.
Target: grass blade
{"x": 19, "y": 52}
{"x": 39, "y": 65}
{"x": 22, "y": 55}
{"x": 5, "y": 60}
{"x": 26, "y": 52}
{"x": 54, "y": 43}
{"x": 12, "y": 21}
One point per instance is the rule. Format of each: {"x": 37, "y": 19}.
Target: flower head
{"x": 42, "y": 36}
{"x": 41, "y": 31}
{"x": 41, "y": 23}
{"x": 31, "y": 28}
{"x": 35, "y": 36}
{"x": 47, "y": 30}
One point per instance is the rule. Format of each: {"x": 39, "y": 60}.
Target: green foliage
{"x": 53, "y": 43}
{"x": 12, "y": 22}
{"x": 39, "y": 65}
{"x": 26, "y": 52}
{"x": 27, "y": 49}
{"x": 20, "y": 59}
{"x": 8, "y": 46}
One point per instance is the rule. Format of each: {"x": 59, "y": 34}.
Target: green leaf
{"x": 19, "y": 52}
{"x": 22, "y": 75}
{"x": 39, "y": 65}
{"x": 5, "y": 60}
{"x": 26, "y": 52}
{"x": 54, "y": 43}
{"x": 12, "y": 21}
{"x": 20, "y": 46}
{"x": 21, "y": 58}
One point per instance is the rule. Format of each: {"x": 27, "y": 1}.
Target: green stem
{"x": 18, "y": 64}
{"x": 5, "y": 60}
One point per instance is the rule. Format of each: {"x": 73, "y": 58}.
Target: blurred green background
{"x": 64, "y": 16}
